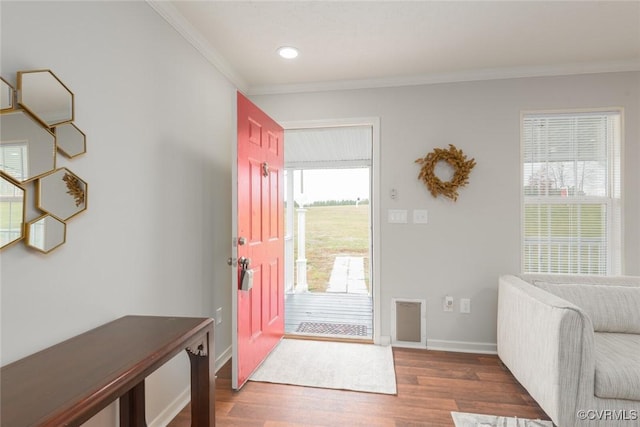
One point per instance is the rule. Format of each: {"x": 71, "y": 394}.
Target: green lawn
{"x": 10, "y": 212}
{"x": 558, "y": 220}
{"x": 11, "y": 221}
{"x": 571, "y": 238}
{"x": 334, "y": 231}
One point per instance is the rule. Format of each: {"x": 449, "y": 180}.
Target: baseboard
{"x": 174, "y": 408}
{"x": 409, "y": 344}
{"x": 223, "y": 358}
{"x": 445, "y": 345}
{"x": 463, "y": 346}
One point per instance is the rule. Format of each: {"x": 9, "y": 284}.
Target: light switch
{"x": 465, "y": 305}
{"x": 397, "y": 216}
{"x": 420, "y": 216}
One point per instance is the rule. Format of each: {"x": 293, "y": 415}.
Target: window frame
{"x": 613, "y": 200}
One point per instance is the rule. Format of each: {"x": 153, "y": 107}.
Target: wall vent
{"x": 408, "y": 323}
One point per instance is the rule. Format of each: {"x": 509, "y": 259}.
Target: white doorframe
{"x": 289, "y": 285}
{"x": 234, "y": 241}
{"x": 374, "y": 122}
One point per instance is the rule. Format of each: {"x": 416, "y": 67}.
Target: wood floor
{"x": 430, "y": 385}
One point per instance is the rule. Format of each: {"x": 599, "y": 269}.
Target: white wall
{"x": 466, "y": 244}
{"x": 159, "y": 121}
{"x": 160, "y": 124}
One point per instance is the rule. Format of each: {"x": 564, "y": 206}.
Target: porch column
{"x": 301, "y": 262}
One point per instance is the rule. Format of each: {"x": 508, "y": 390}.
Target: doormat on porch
{"x": 326, "y": 364}
{"x": 332, "y": 329}
{"x": 463, "y": 419}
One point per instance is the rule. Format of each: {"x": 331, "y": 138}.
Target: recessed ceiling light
{"x": 287, "y": 52}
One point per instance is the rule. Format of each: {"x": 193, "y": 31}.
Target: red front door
{"x": 260, "y": 239}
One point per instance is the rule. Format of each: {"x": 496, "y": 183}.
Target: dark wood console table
{"x": 68, "y": 383}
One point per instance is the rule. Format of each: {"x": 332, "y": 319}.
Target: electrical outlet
{"x": 219, "y": 316}
{"x": 465, "y": 305}
{"x": 447, "y": 303}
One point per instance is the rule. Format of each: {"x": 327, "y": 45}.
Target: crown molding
{"x": 170, "y": 14}
{"x": 452, "y": 77}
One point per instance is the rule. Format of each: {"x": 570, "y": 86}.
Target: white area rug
{"x": 324, "y": 364}
{"x": 463, "y": 419}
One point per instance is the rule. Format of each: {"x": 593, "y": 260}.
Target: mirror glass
{"x": 6, "y": 95}
{"x": 47, "y": 98}
{"x": 27, "y": 150}
{"x": 46, "y": 233}
{"x": 12, "y": 208}
{"x": 71, "y": 140}
{"x": 62, "y": 194}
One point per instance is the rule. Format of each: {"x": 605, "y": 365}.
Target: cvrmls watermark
{"x": 608, "y": 414}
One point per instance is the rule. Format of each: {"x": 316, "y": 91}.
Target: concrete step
{"x": 347, "y": 276}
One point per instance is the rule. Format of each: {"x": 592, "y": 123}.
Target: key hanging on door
{"x": 246, "y": 274}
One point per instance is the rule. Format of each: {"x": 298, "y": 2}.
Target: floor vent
{"x": 408, "y": 323}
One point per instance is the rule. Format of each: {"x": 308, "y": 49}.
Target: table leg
{"x": 202, "y": 384}
{"x": 132, "y": 407}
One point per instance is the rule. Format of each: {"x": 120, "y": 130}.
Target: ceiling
{"x": 355, "y": 44}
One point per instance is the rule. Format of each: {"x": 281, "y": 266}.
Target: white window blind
{"x": 571, "y": 193}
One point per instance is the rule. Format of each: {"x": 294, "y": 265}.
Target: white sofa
{"x": 574, "y": 343}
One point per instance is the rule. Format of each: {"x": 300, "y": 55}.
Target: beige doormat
{"x": 463, "y": 419}
{"x": 326, "y": 364}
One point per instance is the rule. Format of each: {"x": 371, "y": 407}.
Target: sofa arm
{"x": 541, "y": 339}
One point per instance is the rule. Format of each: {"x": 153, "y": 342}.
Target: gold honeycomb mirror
{"x": 62, "y": 194}
{"x": 27, "y": 150}
{"x": 46, "y": 233}
{"x": 12, "y": 211}
{"x": 42, "y": 94}
{"x": 6, "y": 95}
{"x": 71, "y": 140}
{"x": 37, "y": 198}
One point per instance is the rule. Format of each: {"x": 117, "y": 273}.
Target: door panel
{"x": 255, "y": 198}
{"x": 260, "y": 208}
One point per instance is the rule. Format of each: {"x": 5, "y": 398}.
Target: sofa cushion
{"x": 617, "y": 366}
{"x": 583, "y": 279}
{"x": 610, "y": 308}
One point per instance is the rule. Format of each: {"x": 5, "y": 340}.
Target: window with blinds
{"x": 571, "y": 193}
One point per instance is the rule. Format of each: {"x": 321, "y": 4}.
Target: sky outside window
{"x": 332, "y": 184}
